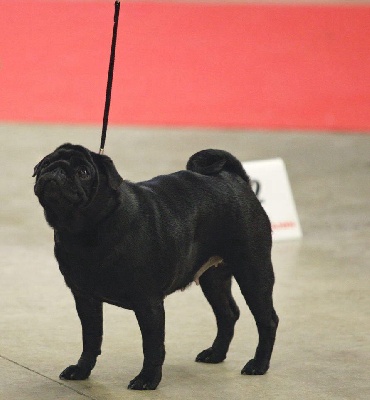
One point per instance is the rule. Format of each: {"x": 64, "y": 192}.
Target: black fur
{"x": 132, "y": 244}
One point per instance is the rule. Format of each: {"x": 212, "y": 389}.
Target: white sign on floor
{"x": 271, "y": 184}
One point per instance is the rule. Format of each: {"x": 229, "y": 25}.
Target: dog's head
{"x": 73, "y": 183}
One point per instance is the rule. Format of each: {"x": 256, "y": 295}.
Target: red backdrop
{"x": 228, "y": 65}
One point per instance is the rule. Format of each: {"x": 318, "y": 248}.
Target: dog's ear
{"x": 37, "y": 168}
{"x": 105, "y": 164}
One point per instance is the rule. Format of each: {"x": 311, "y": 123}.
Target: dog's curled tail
{"x": 211, "y": 162}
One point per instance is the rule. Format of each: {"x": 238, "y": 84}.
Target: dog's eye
{"x": 83, "y": 172}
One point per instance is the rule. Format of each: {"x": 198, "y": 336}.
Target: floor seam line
{"x": 46, "y": 377}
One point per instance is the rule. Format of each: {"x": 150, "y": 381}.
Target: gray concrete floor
{"x": 321, "y": 292}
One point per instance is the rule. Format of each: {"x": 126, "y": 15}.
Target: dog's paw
{"x": 253, "y": 368}
{"x": 75, "y": 373}
{"x": 142, "y": 382}
{"x": 210, "y": 356}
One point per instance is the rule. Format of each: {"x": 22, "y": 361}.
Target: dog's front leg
{"x": 90, "y": 312}
{"x": 151, "y": 319}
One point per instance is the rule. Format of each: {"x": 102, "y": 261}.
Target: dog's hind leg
{"x": 256, "y": 285}
{"x": 216, "y": 286}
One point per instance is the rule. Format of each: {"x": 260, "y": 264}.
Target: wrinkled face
{"x": 65, "y": 179}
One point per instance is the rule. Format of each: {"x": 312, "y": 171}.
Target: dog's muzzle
{"x": 53, "y": 188}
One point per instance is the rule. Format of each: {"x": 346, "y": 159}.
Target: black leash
{"x": 110, "y": 77}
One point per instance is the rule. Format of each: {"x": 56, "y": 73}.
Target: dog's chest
{"x": 91, "y": 270}
{"x": 77, "y": 266}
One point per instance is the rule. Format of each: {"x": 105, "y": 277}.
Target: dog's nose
{"x": 59, "y": 173}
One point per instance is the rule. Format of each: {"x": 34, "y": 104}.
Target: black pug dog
{"x": 132, "y": 244}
